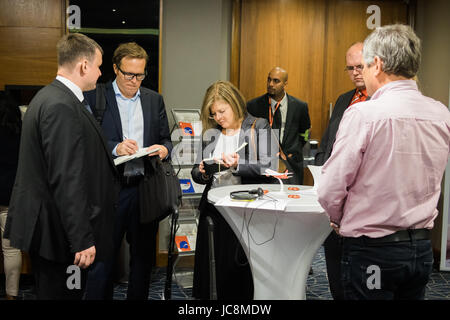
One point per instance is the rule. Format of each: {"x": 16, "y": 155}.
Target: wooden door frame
{"x": 235, "y": 42}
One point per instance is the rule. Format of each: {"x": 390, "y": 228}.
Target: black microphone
{"x": 252, "y": 194}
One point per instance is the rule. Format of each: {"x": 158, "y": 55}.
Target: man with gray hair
{"x": 333, "y": 243}
{"x": 381, "y": 185}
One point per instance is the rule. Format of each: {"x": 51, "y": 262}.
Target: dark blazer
{"x": 326, "y": 144}
{"x": 156, "y": 126}
{"x": 249, "y": 171}
{"x": 8, "y": 163}
{"x": 297, "y": 122}
{"x": 66, "y": 188}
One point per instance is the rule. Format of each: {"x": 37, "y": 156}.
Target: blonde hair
{"x": 222, "y": 91}
{"x": 129, "y": 50}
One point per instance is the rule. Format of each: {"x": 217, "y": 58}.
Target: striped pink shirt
{"x": 385, "y": 171}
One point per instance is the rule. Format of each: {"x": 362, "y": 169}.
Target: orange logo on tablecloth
{"x": 294, "y": 196}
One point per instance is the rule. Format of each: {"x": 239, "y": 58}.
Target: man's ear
{"x": 116, "y": 70}
{"x": 378, "y": 65}
{"x": 83, "y": 66}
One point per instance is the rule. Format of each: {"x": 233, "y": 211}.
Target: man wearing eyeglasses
{"x": 135, "y": 117}
{"x": 333, "y": 244}
{"x": 381, "y": 185}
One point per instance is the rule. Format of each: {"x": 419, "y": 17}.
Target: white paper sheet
{"x": 140, "y": 153}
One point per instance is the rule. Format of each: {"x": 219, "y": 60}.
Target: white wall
{"x": 433, "y": 26}
{"x": 196, "y": 46}
{"x": 196, "y": 49}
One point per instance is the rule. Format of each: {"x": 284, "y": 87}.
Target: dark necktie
{"x": 277, "y": 119}
{"x": 87, "y": 106}
{"x": 134, "y": 168}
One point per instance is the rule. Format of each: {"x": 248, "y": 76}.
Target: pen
{"x": 242, "y": 146}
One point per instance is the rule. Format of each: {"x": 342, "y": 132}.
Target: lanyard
{"x": 271, "y": 115}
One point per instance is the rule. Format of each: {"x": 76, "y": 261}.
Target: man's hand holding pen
{"x": 127, "y": 147}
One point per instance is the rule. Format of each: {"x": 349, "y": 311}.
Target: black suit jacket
{"x": 66, "y": 187}
{"x": 156, "y": 126}
{"x": 326, "y": 144}
{"x": 297, "y": 122}
{"x": 258, "y": 147}
{"x": 8, "y": 163}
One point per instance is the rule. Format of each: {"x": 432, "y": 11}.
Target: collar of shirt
{"x": 72, "y": 87}
{"x": 274, "y": 102}
{"x": 394, "y": 85}
{"x": 121, "y": 96}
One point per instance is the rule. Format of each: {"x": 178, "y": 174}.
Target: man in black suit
{"x": 287, "y": 114}
{"x": 135, "y": 118}
{"x": 63, "y": 200}
{"x": 333, "y": 244}
{"x": 354, "y": 69}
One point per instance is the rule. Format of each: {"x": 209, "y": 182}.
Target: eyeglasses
{"x": 358, "y": 68}
{"x": 130, "y": 76}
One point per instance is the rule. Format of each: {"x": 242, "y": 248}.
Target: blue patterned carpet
{"x": 438, "y": 287}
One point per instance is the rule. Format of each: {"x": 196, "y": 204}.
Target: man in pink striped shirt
{"x": 381, "y": 185}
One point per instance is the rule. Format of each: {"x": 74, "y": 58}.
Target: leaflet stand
{"x": 188, "y": 116}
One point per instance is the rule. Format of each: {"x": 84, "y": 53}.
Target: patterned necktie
{"x": 359, "y": 97}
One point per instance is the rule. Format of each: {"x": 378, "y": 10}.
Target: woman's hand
{"x": 230, "y": 160}
{"x": 201, "y": 168}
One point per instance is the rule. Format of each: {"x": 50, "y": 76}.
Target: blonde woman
{"x": 226, "y": 126}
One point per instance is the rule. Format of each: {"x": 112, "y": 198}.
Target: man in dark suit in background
{"x": 333, "y": 244}
{"x": 62, "y": 204}
{"x": 287, "y": 114}
{"x": 135, "y": 118}
{"x": 354, "y": 68}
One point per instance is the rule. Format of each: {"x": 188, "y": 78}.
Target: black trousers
{"x": 333, "y": 255}
{"x": 57, "y": 281}
{"x": 142, "y": 243}
{"x": 386, "y": 271}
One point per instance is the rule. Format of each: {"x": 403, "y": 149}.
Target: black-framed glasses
{"x": 130, "y": 76}
{"x": 358, "y": 68}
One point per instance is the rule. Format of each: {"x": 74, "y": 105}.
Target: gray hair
{"x": 397, "y": 46}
